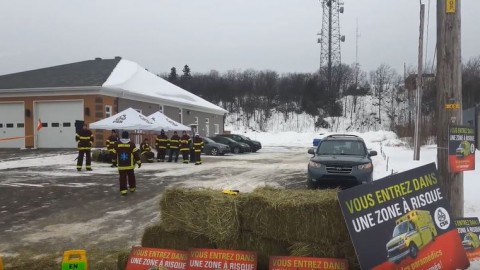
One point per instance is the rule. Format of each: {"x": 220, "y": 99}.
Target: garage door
{"x": 58, "y": 123}
{"x": 12, "y": 117}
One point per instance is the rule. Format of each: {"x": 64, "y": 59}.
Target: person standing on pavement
{"x": 185, "y": 146}
{"x": 126, "y": 156}
{"x": 84, "y": 138}
{"x": 161, "y": 144}
{"x": 198, "y": 146}
{"x": 145, "y": 151}
{"x": 111, "y": 140}
{"x": 174, "y": 145}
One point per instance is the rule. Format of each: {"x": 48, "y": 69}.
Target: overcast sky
{"x": 220, "y": 35}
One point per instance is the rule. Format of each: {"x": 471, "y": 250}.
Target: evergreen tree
{"x": 186, "y": 73}
{"x": 173, "y": 77}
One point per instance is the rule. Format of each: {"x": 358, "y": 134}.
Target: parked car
{"x": 255, "y": 145}
{"x": 236, "y": 147}
{"x": 340, "y": 160}
{"x": 213, "y": 148}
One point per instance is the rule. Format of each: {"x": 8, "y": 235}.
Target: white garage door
{"x": 58, "y": 123}
{"x": 12, "y": 117}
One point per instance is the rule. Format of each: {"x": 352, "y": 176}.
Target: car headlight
{"x": 314, "y": 164}
{"x": 366, "y": 166}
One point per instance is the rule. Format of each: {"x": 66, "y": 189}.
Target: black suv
{"x": 255, "y": 145}
{"x": 340, "y": 160}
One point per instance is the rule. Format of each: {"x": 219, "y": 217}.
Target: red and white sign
{"x": 141, "y": 258}
{"x": 306, "y": 263}
{"x": 200, "y": 259}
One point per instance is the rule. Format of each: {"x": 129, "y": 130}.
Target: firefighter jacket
{"x": 111, "y": 140}
{"x": 145, "y": 147}
{"x": 161, "y": 142}
{"x": 197, "y": 144}
{"x": 126, "y": 155}
{"x": 84, "y": 139}
{"x": 185, "y": 143}
{"x": 174, "y": 142}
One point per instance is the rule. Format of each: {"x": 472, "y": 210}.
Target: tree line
{"x": 258, "y": 94}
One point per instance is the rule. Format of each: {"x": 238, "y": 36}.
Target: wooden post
{"x": 416, "y": 140}
{"x": 449, "y": 89}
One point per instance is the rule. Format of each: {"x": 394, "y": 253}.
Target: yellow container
{"x": 1, "y": 263}
{"x": 74, "y": 259}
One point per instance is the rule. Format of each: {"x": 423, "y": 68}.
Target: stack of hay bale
{"x": 271, "y": 222}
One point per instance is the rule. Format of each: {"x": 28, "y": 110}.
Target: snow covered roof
{"x": 131, "y": 77}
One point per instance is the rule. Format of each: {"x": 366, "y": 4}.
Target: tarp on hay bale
{"x": 295, "y": 216}
{"x": 101, "y": 155}
{"x": 203, "y": 212}
{"x": 343, "y": 250}
{"x": 157, "y": 237}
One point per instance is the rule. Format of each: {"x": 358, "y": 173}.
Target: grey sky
{"x": 278, "y": 35}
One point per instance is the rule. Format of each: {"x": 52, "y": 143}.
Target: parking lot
{"x": 47, "y": 206}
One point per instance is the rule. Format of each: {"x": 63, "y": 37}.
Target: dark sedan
{"x": 213, "y": 148}
{"x": 235, "y": 146}
{"x": 255, "y": 145}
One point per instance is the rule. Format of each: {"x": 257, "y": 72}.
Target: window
{"x": 55, "y": 124}
{"x": 44, "y": 124}
{"x": 1, "y": 125}
{"x": 108, "y": 111}
{"x": 217, "y": 128}
{"x": 20, "y": 125}
{"x": 196, "y": 120}
{"x": 67, "y": 124}
{"x": 9, "y": 125}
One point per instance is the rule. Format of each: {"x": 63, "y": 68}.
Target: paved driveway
{"x": 47, "y": 206}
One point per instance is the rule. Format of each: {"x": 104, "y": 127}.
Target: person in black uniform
{"x": 111, "y": 140}
{"x": 84, "y": 138}
{"x": 126, "y": 156}
{"x": 198, "y": 146}
{"x": 185, "y": 146}
{"x": 146, "y": 152}
{"x": 174, "y": 145}
{"x": 161, "y": 143}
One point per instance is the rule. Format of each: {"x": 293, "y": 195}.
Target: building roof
{"x": 85, "y": 73}
{"x": 114, "y": 77}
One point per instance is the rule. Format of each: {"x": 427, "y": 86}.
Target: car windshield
{"x": 208, "y": 140}
{"x": 341, "y": 147}
{"x": 243, "y": 137}
{"x": 402, "y": 228}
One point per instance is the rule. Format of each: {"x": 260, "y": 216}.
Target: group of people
{"x": 125, "y": 155}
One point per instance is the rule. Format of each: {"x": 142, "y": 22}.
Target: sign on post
{"x": 461, "y": 148}
{"x": 469, "y": 230}
{"x": 306, "y": 263}
{"x": 200, "y": 259}
{"x": 450, "y": 6}
{"x": 142, "y": 258}
{"x": 403, "y": 222}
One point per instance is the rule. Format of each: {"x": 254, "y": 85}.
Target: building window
{"x": 217, "y": 128}
{"x": 55, "y": 124}
{"x": 9, "y": 125}
{"x": 20, "y": 125}
{"x": 160, "y": 108}
{"x": 108, "y": 111}
{"x": 196, "y": 120}
{"x": 1, "y": 125}
{"x": 67, "y": 124}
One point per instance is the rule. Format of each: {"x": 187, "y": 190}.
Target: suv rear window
{"x": 341, "y": 147}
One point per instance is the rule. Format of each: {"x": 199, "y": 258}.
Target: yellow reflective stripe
{"x": 85, "y": 138}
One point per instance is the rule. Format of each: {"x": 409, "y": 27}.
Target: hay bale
{"x": 343, "y": 250}
{"x": 157, "y": 237}
{"x": 201, "y": 212}
{"x": 295, "y": 216}
{"x": 101, "y": 155}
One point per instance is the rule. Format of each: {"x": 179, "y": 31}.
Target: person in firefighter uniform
{"x": 174, "y": 145}
{"x": 146, "y": 152}
{"x": 126, "y": 156}
{"x": 161, "y": 144}
{"x": 111, "y": 140}
{"x": 84, "y": 138}
{"x": 198, "y": 146}
{"x": 185, "y": 146}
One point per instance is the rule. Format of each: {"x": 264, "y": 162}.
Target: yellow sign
{"x": 452, "y": 106}
{"x": 74, "y": 259}
{"x": 450, "y": 8}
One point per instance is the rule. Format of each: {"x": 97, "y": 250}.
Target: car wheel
{"x": 214, "y": 151}
{"x": 413, "y": 251}
{"x": 236, "y": 150}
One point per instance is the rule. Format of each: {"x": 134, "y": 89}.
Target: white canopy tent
{"x": 166, "y": 123}
{"x": 128, "y": 119}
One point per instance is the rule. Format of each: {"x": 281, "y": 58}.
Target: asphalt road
{"x": 50, "y": 208}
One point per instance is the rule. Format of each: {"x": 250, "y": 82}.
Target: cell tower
{"x": 330, "y": 38}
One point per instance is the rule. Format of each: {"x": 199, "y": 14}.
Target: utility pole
{"x": 416, "y": 140}
{"x": 449, "y": 90}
